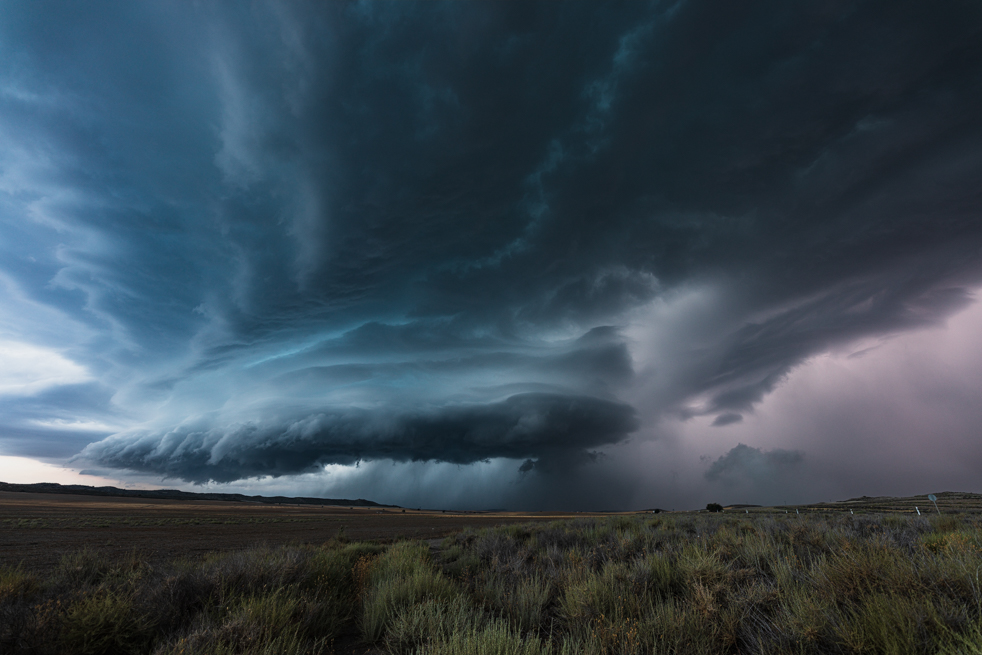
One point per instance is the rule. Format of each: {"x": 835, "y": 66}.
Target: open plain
{"x": 36, "y": 530}
{"x": 104, "y": 577}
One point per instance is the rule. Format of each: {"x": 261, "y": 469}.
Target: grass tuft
{"x": 400, "y": 578}
{"x": 105, "y": 623}
{"x": 496, "y": 638}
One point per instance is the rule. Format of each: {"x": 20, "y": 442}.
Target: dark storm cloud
{"x": 727, "y": 419}
{"x": 343, "y": 210}
{"x": 541, "y": 425}
{"x": 744, "y": 464}
{"x": 749, "y": 362}
{"x": 56, "y": 422}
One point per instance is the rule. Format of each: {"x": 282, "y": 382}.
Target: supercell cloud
{"x": 294, "y": 242}
{"x": 521, "y": 425}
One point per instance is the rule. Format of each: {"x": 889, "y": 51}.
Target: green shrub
{"x": 864, "y": 571}
{"x": 951, "y": 542}
{"x": 496, "y": 638}
{"x": 967, "y": 643}
{"x": 522, "y": 598}
{"x": 288, "y": 643}
{"x": 15, "y": 583}
{"x": 657, "y": 577}
{"x": 890, "y": 624}
{"x": 177, "y": 599}
{"x": 802, "y": 618}
{"x": 264, "y": 617}
{"x": 606, "y": 596}
{"x": 459, "y": 562}
{"x": 945, "y": 522}
{"x": 105, "y": 623}
{"x": 401, "y": 577}
{"x": 431, "y": 621}
{"x": 82, "y": 568}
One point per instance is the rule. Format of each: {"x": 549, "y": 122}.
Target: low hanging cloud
{"x": 544, "y": 426}
{"x": 727, "y": 419}
{"x": 746, "y": 465}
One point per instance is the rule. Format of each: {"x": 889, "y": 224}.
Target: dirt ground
{"x": 37, "y": 529}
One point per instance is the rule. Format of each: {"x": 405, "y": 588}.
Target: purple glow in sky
{"x": 532, "y": 255}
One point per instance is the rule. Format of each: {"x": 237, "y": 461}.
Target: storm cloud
{"x": 520, "y": 426}
{"x": 743, "y": 463}
{"x": 255, "y": 240}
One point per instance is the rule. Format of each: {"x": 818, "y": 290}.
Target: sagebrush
{"x": 671, "y": 583}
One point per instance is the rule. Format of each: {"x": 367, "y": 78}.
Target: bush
{"x": 16, "y": 583}
{"x": 105, "y": 624}
{"x": 433, "y": 621}
{"x": 714, "y": 507}
{"x": 497, "y": 638}
{"x": 400, "y": 578}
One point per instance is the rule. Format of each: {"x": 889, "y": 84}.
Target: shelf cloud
{"x": 523, "y": 425}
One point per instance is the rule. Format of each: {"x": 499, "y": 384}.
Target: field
{"x": 37, "y": 529}
{"x": 750, "y": 580}
{"x": 947, "y": 502}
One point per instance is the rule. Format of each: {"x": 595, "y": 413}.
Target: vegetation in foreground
{"x": 647, "y": 584}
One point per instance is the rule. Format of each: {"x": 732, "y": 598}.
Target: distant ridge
{"x": 174, "y": 494}
{"x": 947, "y": 501}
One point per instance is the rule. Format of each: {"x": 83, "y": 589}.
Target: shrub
{"x": 400, "y": 578}
{"x": 657, "y": 576}
{"x": 520, "y": 598}
{"x": 459, "y": 562}
{"x": 15, "y": 583}
{"x": 497, "y": 638}
{"x": 590, "y": 599}
{"x": 945, "y": 523}
{"x": 433, "y": 621}
{"x": 714, "y": 507}
{"x": 82, "y": 568}
{"x": 105, "y": 624}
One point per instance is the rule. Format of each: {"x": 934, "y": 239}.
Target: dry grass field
{"x": 37, "y": 529}
{"x": 101, "y": 577}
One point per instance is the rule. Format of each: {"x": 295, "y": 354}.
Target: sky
{"x": 526, "y": 255}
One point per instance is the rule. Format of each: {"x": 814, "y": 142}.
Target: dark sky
{"x": 522, "y": 254}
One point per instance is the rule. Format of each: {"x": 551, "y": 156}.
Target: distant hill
{"x": 174, "y": 494}
{"x": 948, "y": 501}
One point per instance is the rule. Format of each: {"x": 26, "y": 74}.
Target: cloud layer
{"x": 524, "y": 425}
{"x": 255, "y": 240}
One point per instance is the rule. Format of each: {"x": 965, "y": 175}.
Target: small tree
{"x": 714, "y": 507}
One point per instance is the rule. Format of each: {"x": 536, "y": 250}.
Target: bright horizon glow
{"x": 24, "y": 470}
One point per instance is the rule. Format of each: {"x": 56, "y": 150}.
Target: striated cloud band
{"x": 521, "y": 426}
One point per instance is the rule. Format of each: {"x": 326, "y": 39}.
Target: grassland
{"x": 758, "y": 582}
{"x": 949, "y": 502}
{"x": 37, "y": 529}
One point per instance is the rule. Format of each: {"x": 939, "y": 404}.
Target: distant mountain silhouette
{"x": 174, "y": 494}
